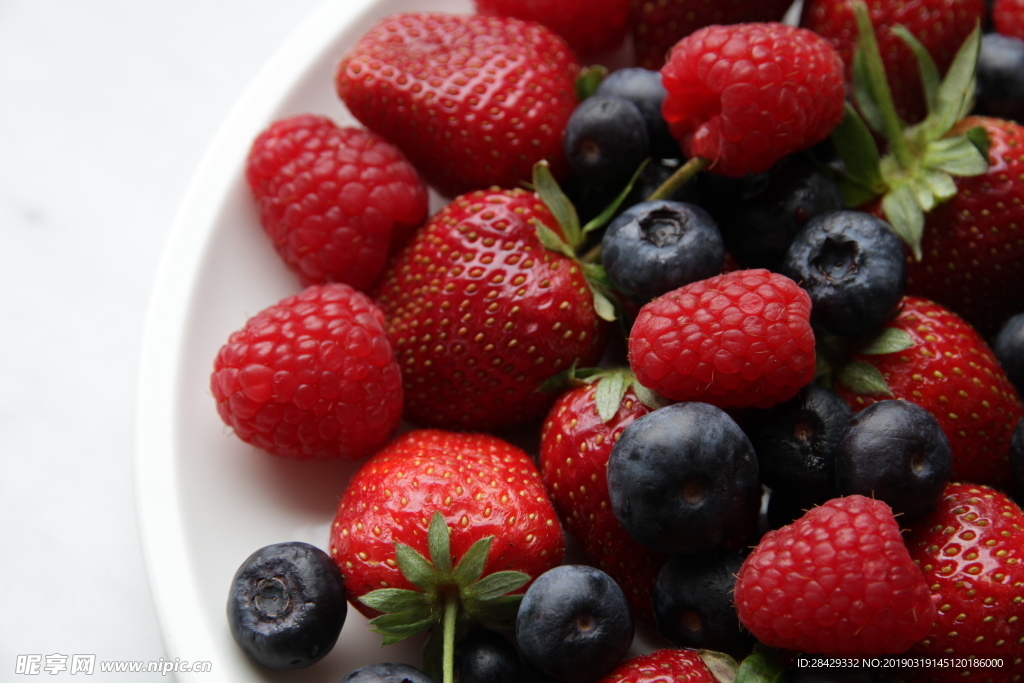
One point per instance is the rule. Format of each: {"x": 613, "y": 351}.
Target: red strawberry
{"x": 940, "y": 25}
{"x": 334, "y": 201}
{"x": 480, "y": 313}
{"x": 660, "y": 24}
{"x": 473, "y": 101}
{"x": 837, "y": 580}
{"x": 312, "y": 377}
{"x": 742, "y": 339}
{"x": 744, "y": 96}
{"x": 971, "y": 549}
{"x": 589, "y": 27}
{"x": 973, "y": 245}
{"x": 436, "y": 527}
{"x": 1008, "y": 17}
{"x": 662, "y": 666}
{"x": 929, "y": 356}
{"x": 576, "y": 440}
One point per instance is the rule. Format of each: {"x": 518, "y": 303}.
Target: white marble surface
{"x": 106, "y": 107}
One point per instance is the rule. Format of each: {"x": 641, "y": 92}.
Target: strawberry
{"x": 951, "y": 186}
{"x": 589, "y": 27}
{"x": 480, "y": 312}
{"x": 659, "y": 24}
{"x": 929, "y": 356}
{"x": 940, "y": 25}
{"x": 738, "y": 340}
{"x": 971, "y": 549}
{"x": 436, "y": 527}
{"x": 473, "y": 101}
{"x": 1008, "y": 17}
{"x": 743, "y": 96}
{"x": 837, "y": 580}
{"x": 662, "y": 666}
{"x": 333, "y": 201}
{"x": 576, "y": 441}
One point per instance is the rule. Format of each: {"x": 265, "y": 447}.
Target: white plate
{"x": 205, "y": 500}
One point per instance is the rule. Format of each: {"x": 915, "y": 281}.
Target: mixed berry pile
{"x": 750, "y": 307}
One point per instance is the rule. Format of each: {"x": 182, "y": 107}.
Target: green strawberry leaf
{"x": 602, "y": 290}
{"x": 860, "y": 180}
{"x": 888, "y": 340}
{"x": 979, "y": 137}
{"x": 560, "y": 206}
{"x": 864, "y": 94}
{"x": 608, "y": 395}
{"x": 439, "y": 544}
{"x": 414, "y": 567}
{"x": 573, "y": 377}
{"x": 863, "y": 378}
{"x": 551, "y": 241}
{"x": 763, "y": 665}
{"x": 905, "y": 216}
{"x": 929, "y": 72}
{"x": 956, "y": 155}
{"x": 940, "y": 184}
{"x": 602, "y": 219}
{"x": 496, "y": 585}
{"x": 471, "y": 567}
{"x": 648, "y": 397}
{"x": 394, "y": 600}
{"x": 956, "y": 93}
{"x": 589, "y": 79}
{"x": 722, "y": 666}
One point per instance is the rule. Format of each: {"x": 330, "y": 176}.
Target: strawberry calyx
{"x": 763, "y": 665}
{"x": 448, "y": 595}
{"x": 612, "y": 385}
{"x": 835, "y": 365}
{"x": 924, "y": 159}
{"x": 575, "y": 235}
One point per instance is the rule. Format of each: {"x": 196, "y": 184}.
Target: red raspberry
{"x": 837, "y": 580}
{"x": 334, "y": 201}
{"x": 742, "y": 339}
{"x": 312, "y": 377}
{"x": 745, "y": 95}
{"x": 1008, "y": 16}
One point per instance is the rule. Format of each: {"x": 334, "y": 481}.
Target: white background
{"x": 106, "y": 107}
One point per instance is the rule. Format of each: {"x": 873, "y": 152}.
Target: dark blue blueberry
{"x": 693, "y": 603}
{"x": 387, "y": 673}
{"x": 605, "y": 140}
{"x": 895, "y": 451}
{"x": 655, "y": 247}
{"x": 853, "y": 266}
{"x": 1000, "y": 91}
{"x": 1017, "y": 454}
{"x": 760, "y": 214}
{"x": 574, "y": 623}
{"x": 796, "y": 442}
{"x": 643, "y": 88}
{"x": 287, "y": 605}
{"x": 486, "y": 657}
{"x": 1008, "y": 345}
{"x": 683, "y": 478}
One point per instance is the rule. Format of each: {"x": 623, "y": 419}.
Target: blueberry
{"x": 658, "y": 246}
{"x": 1000, "y": 91}
{"x": 486, "y": 657}
{"x": 643, "y": 88}
{"x": 387, "y": 673}
{"x": 605, "y": 140}
{"x": 287, "y": 605}
{"x": 1017, "y": 454}
{"x": 683, "y": 478}
{"x": 574, "y": 623}
{"x": 895, "y": 451}
{"x": 760, "y": 214}
{"x": 693, "y": 603}
{"x": 1008, "y": 345}
{"x": 853, "y": 266}
{"x": 796, "y": 443}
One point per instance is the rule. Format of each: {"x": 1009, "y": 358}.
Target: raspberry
{"x": 746, "y": 95}
{"x": 334, "y": 201}
{"x": 838, "y": 580}
{"x": 737, "y": 340}
{"x": 312, "y": 377}
{"x": 1008, "y": 16}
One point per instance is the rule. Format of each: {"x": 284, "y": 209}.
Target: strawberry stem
{"x": 879, "y": 85}
{"x": 682, "y": 176}
{"x": 451, "y": 613}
